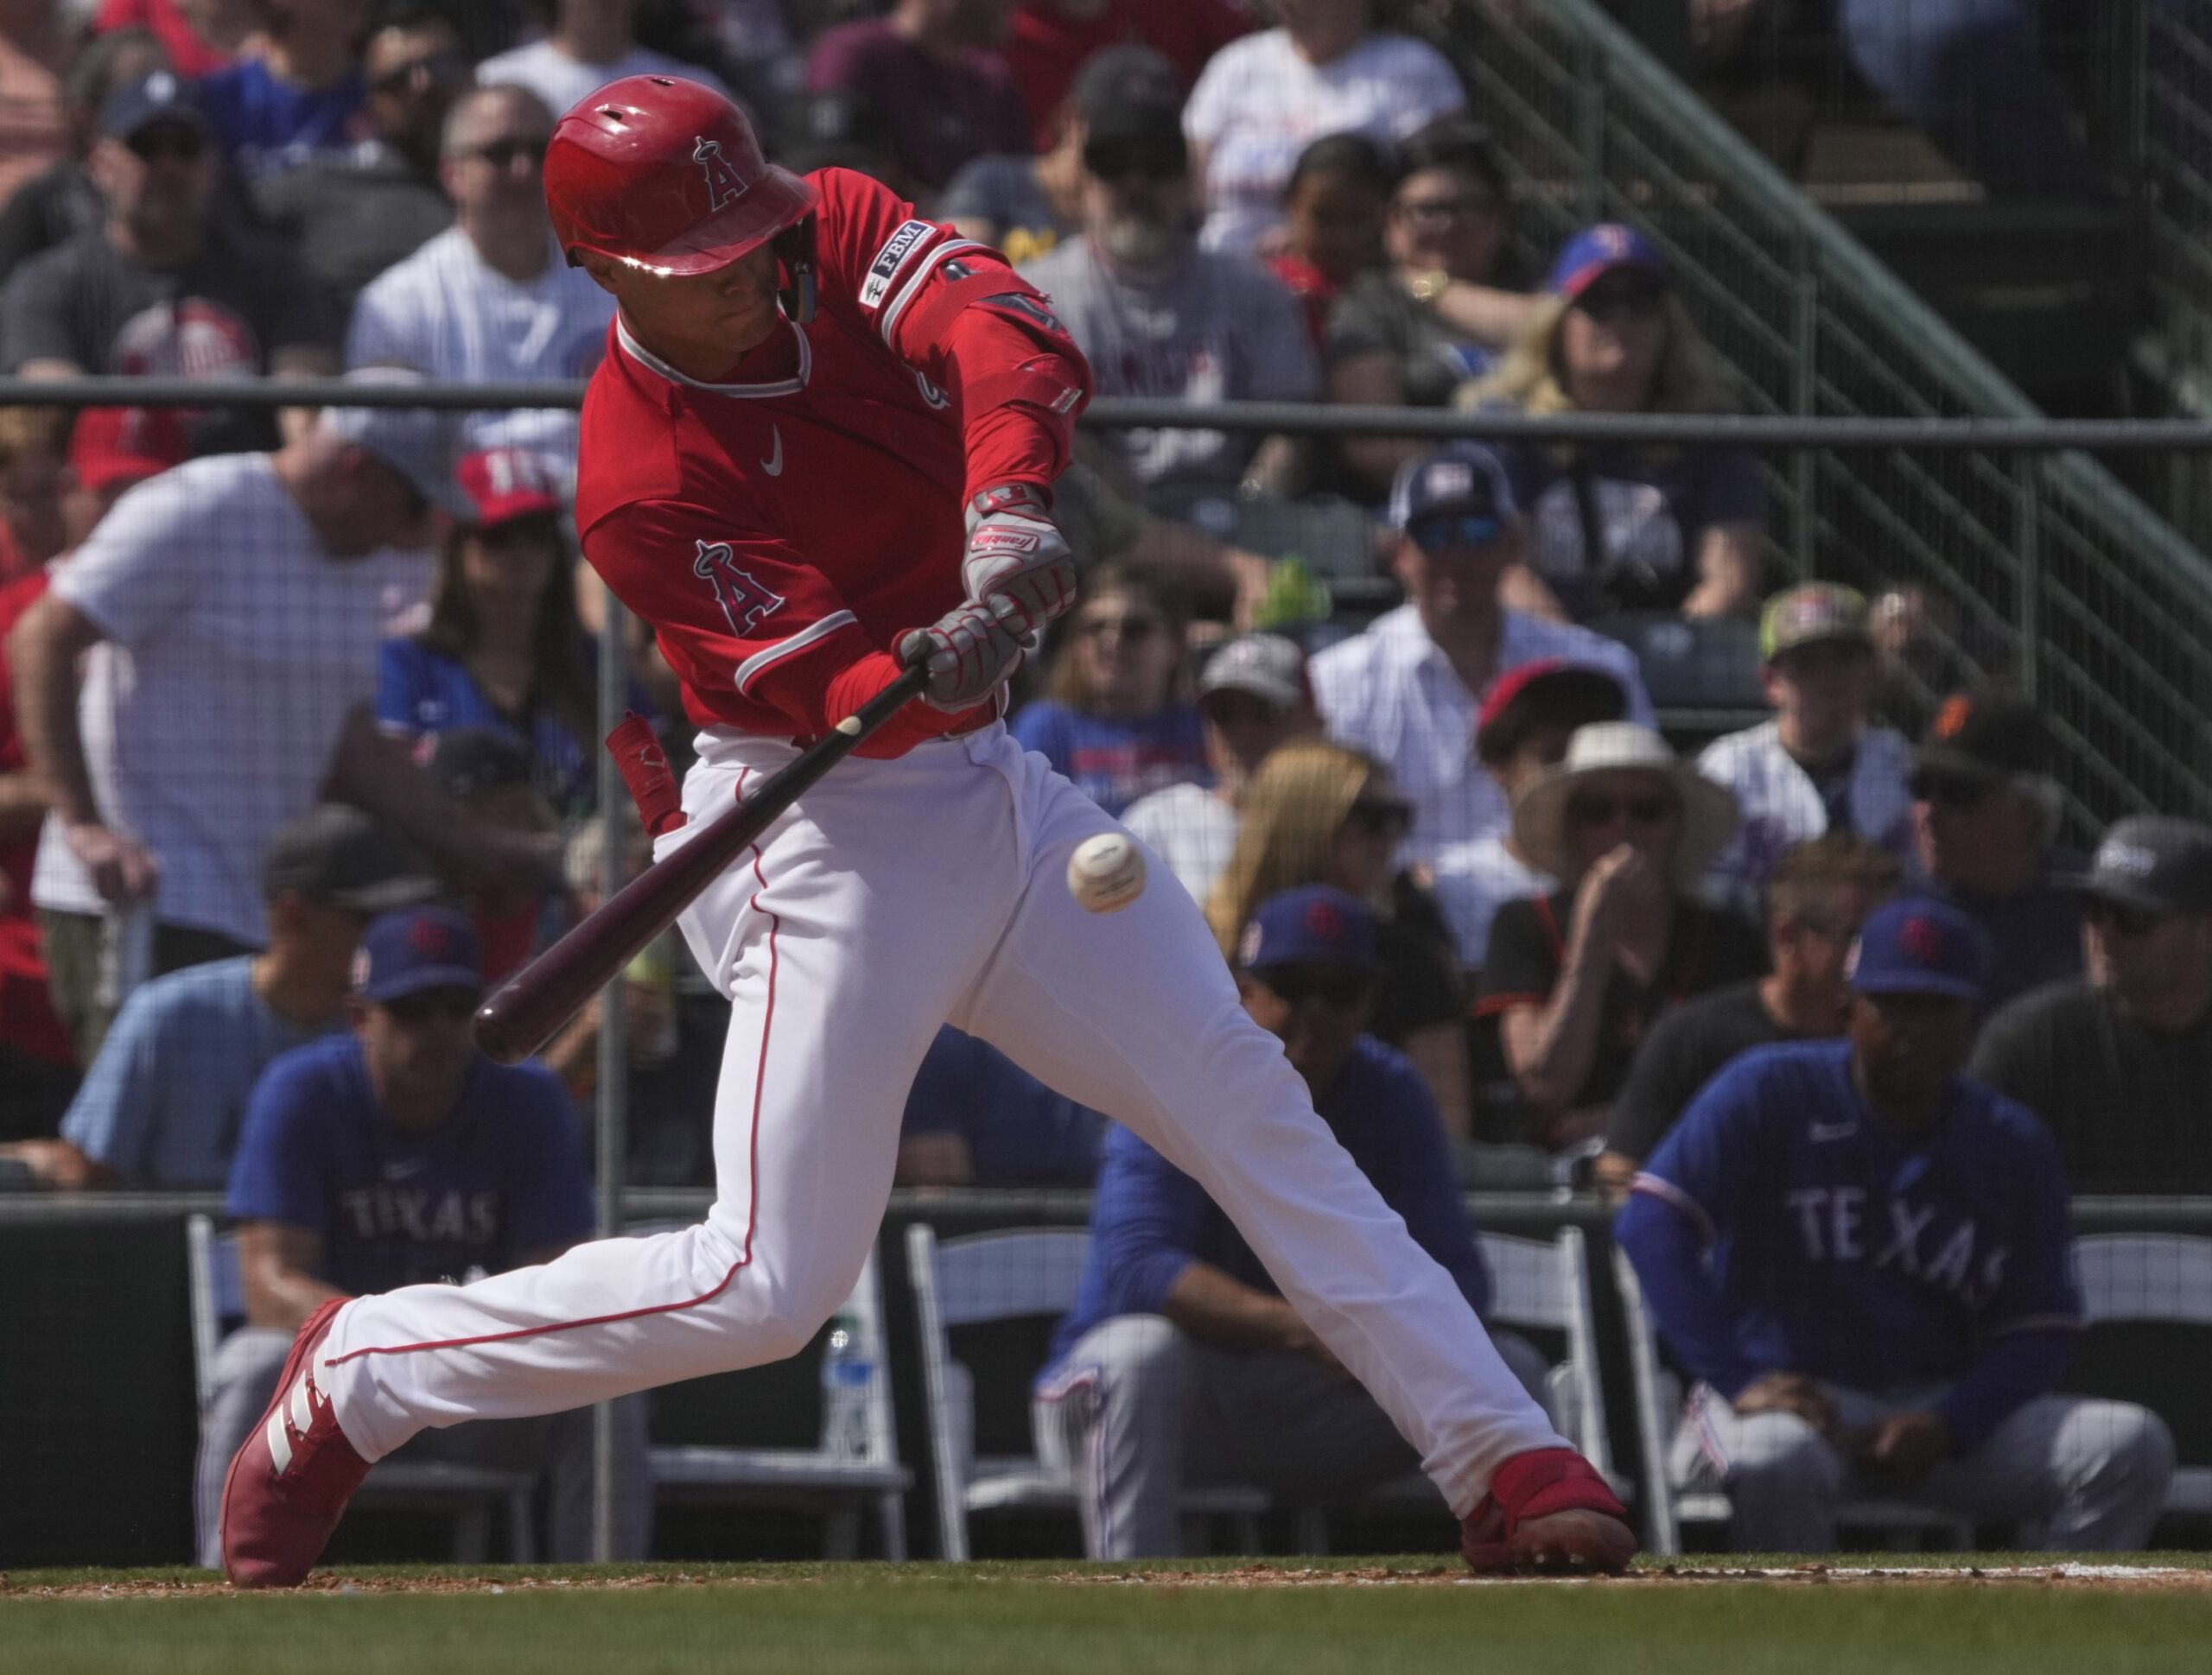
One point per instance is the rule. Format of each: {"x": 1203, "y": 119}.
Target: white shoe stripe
{"x": 303, "y": 1407}
{"x": 280, "y": 1446}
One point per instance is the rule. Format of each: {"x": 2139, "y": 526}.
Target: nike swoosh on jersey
{"x": 773, "y": 465}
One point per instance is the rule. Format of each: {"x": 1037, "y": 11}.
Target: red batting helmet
{"x": 666, "y": 175}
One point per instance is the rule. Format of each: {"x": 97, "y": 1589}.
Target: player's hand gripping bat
{"x": 524, "y": 1012}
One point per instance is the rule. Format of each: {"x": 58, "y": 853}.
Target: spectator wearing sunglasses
{"x": 2119, "y": 1063}
{"x": 396, "y": 1154}
{"x": 1318, "y": 813}
{"x": 1985, "y": 811}
{"x": 490, "y": 300}
{"x": 354, "y": 212}
{"x": 1181, "y": 1364}
{"x": 299, "y": 96}
{"x": 1616, "y": 529}
{"x": 1159, "y": 317}
{"x": 1114, "y": 718}
{"x": 1406, "y": 690}
{"x": 164, "y": 289}
{"x": 1574, "y": 980}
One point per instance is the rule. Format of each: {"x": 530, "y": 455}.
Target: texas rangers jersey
{"x": 780, "y": 527}
{"x": 1843, "y": 1250}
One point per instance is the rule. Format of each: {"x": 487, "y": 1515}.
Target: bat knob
{"x": 495, "y": 1039}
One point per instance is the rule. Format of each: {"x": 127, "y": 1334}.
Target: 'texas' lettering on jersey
{"x": 1921, "y": 1242}
{"x": 883, "y": 272}
{"x": 744, "y": 600}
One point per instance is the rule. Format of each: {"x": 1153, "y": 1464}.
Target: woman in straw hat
{"x": 1574, "y": 978}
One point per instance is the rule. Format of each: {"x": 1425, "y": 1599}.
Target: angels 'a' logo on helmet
{"x": 725, "y": 186}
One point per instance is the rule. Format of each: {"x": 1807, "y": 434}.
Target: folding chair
{"x": 468, "y": 1494}
{"x": 1659, "y": 1394}
{"x": 812, "y": 1480}
{"x": 2157, "y": 1279}
{"x": 1023, "y": 1272}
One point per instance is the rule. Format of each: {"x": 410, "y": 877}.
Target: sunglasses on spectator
{"x": 1381, "y": 816}
{"x": 1601, "y": 810}
{"x": 2127, "y": 921}
{"x": 1635, "y": 299}
{"x": 1336, "y": 986}
{"x": 1435, "y": 212}
{"x": 1111, "y": 164}
{"x": 1950, "y": 791}
{"x": 432, "y": 71}
{"x": 1436, "y": 535}
{"x": 1135, "y": 630}
{"x": 183, "y": 145}
{"x": 450, "y": 1005}
{"x": 504, "y": 154}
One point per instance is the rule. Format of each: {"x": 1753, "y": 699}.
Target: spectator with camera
{"x": 161, "y": 1100}
{"x": 1986, "y": 811}
{"x": 2117, "y": 1062}
{"x": 1616, "y": 529}
{"x": 490, "y": 301}
{"x": 1821, "y": 764}
{"x": 394, "y": 1154}
{"x": 1574, "y": 981}
{"x": 1406, "y": 689}
{"x": 1157, "y": 316}
{"x": 1181, "y": 1364}
{"x": 1863, "y": 1257}
{"x": 1816, "y": 901}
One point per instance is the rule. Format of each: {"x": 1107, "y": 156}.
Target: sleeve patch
{"x": 898, "y": 250}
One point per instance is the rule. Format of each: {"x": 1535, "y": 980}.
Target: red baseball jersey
{"x": 782, "y": 530}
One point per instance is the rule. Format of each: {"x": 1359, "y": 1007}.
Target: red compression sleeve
{"x": 854, "y": 684}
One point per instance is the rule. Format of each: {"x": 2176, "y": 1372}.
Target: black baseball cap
{"x": 469, "y": 761}
{"x": 1128, "y": 97}
{"x": 2155, "y": 864}
{"x": 162, "y": 96}
{"x": 336, "y": 854}
{"x": 1988, "y": 735}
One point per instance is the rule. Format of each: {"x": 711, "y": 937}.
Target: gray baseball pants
{"x": 1143, "y": 1411}
{"x": 2074, "y": 1474}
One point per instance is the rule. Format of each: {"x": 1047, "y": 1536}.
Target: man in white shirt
{"x": 226, "y": 616}
{"x": 1406, "y": 690}
{"x": 490, "y": 301}
{"x": 1818, "y": 766}
{"x": 593, "y": 43}
{"x": 1252, "y": 697}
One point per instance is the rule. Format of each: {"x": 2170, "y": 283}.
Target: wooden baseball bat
{"x": 522, "y": 1015}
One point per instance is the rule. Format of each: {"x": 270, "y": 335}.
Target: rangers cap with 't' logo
{"x": 667, "y": 175}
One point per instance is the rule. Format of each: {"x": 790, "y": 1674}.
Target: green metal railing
{"x": 2048, "y": 570}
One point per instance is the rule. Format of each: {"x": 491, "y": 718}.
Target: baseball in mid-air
{"x": 1106, "y": 873}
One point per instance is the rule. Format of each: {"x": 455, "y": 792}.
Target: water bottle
{"x": 847, "y": 1365}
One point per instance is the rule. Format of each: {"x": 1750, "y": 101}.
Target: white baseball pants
{"x": 898, "y": 896}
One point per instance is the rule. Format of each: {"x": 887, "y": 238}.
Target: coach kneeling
{"x": 1866, "y": 1261}
{"x": 1182, "y": 1364}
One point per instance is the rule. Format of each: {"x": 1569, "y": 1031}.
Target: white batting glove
{"x": 1018, "y": 565}
{"x": 969, "y": 654}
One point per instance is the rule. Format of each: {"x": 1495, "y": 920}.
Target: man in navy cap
{"x": 399, "y": 1155}
{"x": 1864, "y": 1258}
{"x": 1180, "y": 1363}
{"x": 2118, "y": 1062}
{"x": 1408, "y": 689}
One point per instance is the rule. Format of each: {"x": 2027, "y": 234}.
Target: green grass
{"x": 982, "y": 1619}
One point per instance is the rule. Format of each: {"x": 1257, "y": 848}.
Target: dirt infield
{"x": 2068, "y": 1575}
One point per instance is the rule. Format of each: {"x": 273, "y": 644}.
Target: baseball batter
{"x": 820, "y": 449}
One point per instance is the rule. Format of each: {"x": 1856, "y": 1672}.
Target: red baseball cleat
{"x": 289, "y": 1484}
{"x": 1548, "y": 1510}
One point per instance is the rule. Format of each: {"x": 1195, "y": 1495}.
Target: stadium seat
{"x": 1021, "y": 1274}
{"x": 1658, "y": 1394}
{"x": 467, "y": 1494}
{"x": 807, "y": 1479}
{"x": 2161, "y": 1282}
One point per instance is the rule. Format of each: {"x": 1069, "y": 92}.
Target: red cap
{"x": 502, "y": 483}
{"x": 666, "y": 175}
{"x": 115, "y": 446}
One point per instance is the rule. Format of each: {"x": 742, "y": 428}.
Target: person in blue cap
{"x": 1625, "y": 528}
{"x": 396, "y": 1154}
{"x": 1864, "y": 1258}
{"x": 1180, "y": 1363}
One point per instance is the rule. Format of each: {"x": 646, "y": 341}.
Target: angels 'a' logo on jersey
{"x": 725, "y": 186}
{"x": 744, "y": 602}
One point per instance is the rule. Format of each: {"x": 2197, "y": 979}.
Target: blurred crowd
{"x": 273, "y": 684}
